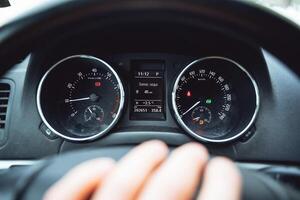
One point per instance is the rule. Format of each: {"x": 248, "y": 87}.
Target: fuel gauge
{"x": 201, "y": 116}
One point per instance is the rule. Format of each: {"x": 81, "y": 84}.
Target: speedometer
{"x": 215, "y": 99}
{"x": 80, "y": 98}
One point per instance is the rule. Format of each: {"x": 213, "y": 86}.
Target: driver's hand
{"x": 147, "y": 172}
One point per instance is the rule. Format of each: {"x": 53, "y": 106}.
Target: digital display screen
{"x": 147, "y": 91}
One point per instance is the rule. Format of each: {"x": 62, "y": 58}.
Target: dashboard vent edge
{"x": 4, "y": 100}
{"x": 6, "y": 87}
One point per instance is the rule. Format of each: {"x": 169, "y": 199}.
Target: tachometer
{"x": 215, "y": 99}
{"x": 80, "y": 98}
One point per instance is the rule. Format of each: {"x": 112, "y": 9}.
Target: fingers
{"x": 145, "y": 174}
{"x": 81, "y": 181}
{"x": 179, "y": 176}
{"x": 128, "y": 177}
{"x": 222, "y": 180}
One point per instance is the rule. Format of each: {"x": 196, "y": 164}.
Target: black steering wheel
{"x": 257, "y": 25}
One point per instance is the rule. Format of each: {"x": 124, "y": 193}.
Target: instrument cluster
{"x": 213, "y": 99}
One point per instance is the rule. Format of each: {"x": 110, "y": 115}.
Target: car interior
{"x": 87, "y": 78}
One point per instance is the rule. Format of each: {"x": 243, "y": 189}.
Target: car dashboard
{"x": 88, "y": 87}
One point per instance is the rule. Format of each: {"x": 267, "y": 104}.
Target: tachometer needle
{"x": 191, "y": 108}
{"x": 80, "y": 99}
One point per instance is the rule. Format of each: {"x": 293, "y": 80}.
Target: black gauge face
{"x": 214, "y": 99}
{"x": 80, "y": 98}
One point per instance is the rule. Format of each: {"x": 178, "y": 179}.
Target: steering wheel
{"x": 16, "y": 41}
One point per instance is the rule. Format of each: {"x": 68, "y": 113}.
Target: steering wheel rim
{"x": 243, "y": 18}
{"x": 35, "y": 181}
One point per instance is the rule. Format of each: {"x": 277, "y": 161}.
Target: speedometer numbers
{"x": 80, "y": 98}
{"x": 204, "y": 101}
{"x": 208, "y": 102}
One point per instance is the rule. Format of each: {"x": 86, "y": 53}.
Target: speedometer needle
{"x": 80, "y": 99}
{"x": 191, "y": 108}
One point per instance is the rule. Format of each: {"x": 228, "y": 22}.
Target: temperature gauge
{"x": 94, "y": 114}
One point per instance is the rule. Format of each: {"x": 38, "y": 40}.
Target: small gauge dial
{"x": 201, "y": 116}
{"x": 215, "y": 99}
{"x": 94, "y": 114}
{"x": 80, "y": 98}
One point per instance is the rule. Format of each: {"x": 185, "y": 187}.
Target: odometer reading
{"x": 207, "y": 103}
{"x": 147, "y": 90}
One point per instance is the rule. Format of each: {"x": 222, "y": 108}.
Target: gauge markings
{"x": 228, "y": 98}
{"x": 201, "y": 100}
{"x": 80, "y": 97}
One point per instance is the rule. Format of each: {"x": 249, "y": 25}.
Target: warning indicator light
{"x": 188, "y": 94}
{"x": 97, "y": 84}
{"x": 201, "y": 122}
{"x": 208, "y": 101}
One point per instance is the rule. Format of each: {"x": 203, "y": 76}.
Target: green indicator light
{"x": 208, "y": 101}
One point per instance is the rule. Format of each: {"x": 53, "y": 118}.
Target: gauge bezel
{"x": 201, "y": 138}
{"x": 95, "y": 136}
